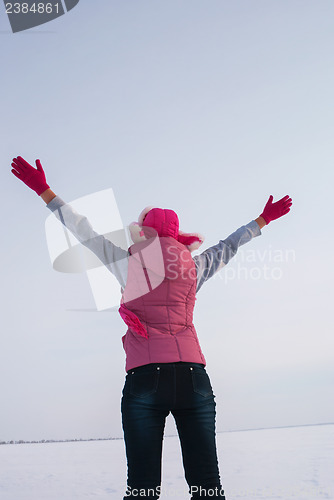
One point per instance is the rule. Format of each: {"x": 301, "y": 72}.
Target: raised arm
{"x": 214, "y": 258}
{"x": 112, "y": 256}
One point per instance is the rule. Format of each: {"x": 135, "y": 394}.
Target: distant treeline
{"x": 21, "y": 441}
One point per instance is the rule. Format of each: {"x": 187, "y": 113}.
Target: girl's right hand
{"x": 35, "y": 179}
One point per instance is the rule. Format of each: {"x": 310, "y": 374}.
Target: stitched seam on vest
{"x": 167, "y": 308}
{"x": 192, "y": 327}
{"x": 145, "y": 272}
{"x": 170, "y": 324}
{"x": 187, "y": 301}
{"x": 148, "y": 330}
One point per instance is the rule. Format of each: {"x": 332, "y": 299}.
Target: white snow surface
{"x": 282, "y": 463}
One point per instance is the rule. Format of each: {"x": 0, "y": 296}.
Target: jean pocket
{"x": 144, "y": 383}
{"x": 201, "y": 382}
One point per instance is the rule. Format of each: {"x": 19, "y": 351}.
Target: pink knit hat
{"x": 163, "y": 222}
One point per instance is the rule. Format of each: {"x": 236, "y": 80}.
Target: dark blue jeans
{"x": 150, "y": 393}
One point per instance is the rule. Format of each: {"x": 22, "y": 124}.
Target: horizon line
{"x": 43, "y": 441}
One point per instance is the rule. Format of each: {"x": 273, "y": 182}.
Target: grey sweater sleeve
{"x": 113, "y": 257}
{"x": 214, "y": 258}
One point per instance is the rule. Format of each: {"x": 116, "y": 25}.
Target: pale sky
{"x": 206, "y": 108}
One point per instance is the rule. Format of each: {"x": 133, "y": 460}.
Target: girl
{"x": 165, "y": 365}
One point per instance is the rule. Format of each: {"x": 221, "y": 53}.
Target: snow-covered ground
{"x": 286, "y": 463}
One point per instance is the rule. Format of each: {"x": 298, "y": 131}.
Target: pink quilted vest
{"x": 160, "y": 290}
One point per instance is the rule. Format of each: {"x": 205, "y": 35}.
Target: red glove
{"x": 273, "y": 211}
{"x": 35, "y": 179}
